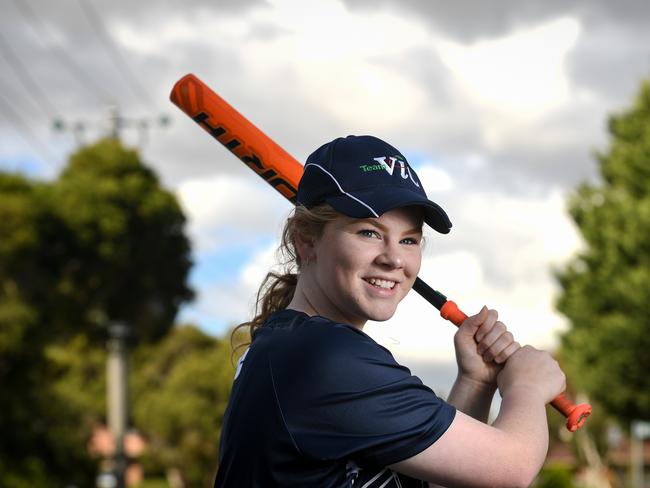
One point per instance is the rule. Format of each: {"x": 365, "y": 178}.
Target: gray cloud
{"x": 605, "y": 67}
{"x": 59, "y": 51}
{"x": 470, "y": 21}
{"x": 610, "y": 58}
{"x": 608, "y": 61}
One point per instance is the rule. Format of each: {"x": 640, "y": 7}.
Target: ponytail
{"x": 275, "y": 293}
{"x": 277, "y": 288}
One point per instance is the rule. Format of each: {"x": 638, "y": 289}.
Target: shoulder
{"x": 319, "y": 357}
{"x": 322, "y": 344}
{"x": 317, "y": 334}
{"x": 343, "y": 395}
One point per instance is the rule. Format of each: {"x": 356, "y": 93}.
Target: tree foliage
{"x": 33, "y": 451}
{"x": 126, "y": 256}
{"x": 180, "y": 394}
{"x": 606, "y": 288}
{"x": 103, "y": 242}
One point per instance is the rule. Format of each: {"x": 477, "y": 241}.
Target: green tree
{"x": 554, "y": 476}
{"x": 180, "y": 395}
{"x": 606, "y": 287}
{"x": 124, "y": 250}
{"x": 102, "y": 242}
{"x": 33, "y": 452}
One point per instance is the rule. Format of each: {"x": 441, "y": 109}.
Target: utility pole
{"x": 113, "y": 126}
{"x": 117, "y": 396}
{"x": 118, "y": 332}
{"x": 639, "y": 431}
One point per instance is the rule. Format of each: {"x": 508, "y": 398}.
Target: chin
{"x": 379, "y": 316}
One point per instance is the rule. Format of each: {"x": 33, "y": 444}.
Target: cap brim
{"x": 365, "y": 204}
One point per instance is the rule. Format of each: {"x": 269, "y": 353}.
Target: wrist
{"x": 525, "y": 391}
{"x": 472, "y": 396}
{"x": 480, "y": 386}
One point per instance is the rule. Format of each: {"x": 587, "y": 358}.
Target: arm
{"x": 472, "y": 398}
{"x": 482, "y": 345}
{"x": 511, "y": 451}
{"x": 475, "y": 385}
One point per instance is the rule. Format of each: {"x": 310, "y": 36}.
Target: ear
{"x": 305, "y": 248}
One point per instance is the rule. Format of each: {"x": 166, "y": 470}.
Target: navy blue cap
{"x": 363, "y": 177}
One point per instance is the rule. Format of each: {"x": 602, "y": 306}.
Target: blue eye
{"x": 410, "y": 240}
{"x": 368, "y": 233}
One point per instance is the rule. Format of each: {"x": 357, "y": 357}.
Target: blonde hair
{"x": 277, "y": 288}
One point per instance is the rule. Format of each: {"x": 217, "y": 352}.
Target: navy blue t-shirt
{"x": 319, "y": 403}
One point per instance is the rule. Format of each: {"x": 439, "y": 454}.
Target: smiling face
{"x": 360, "y": 269}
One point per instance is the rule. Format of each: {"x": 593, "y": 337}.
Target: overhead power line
{"x": 34, "y": 89}
{"x": 70, "y": 64}
{"x": 116, "y": 125}
{"x": 14, "y": 117}
{"x": 98, "y": 26}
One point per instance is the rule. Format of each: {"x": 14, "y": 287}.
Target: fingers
{"x": 494, "y": 341}
{"x": 500, "y": 357}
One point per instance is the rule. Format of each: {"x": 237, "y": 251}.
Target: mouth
{"x": 381, "y": 283}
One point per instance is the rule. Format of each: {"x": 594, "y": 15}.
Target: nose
{"x": 390, "y": 258}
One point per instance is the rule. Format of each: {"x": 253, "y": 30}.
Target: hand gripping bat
{"x": 280, "y": 170}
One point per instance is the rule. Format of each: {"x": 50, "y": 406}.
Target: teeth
{"x": 381, "y": 283}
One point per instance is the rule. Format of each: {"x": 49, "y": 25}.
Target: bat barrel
{"x": 239, "y": 135}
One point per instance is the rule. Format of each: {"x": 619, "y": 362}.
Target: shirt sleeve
{"x": 343, "y": 396}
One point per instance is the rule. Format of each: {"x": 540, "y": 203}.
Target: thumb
{"x": 473, "y": 322}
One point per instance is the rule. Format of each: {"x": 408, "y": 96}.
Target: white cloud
{"x": 339, "y": 33}
{"x": 517, "y": 235}
{"x": 435, "y": 180}
{"x": 223, "y": 208}
{"x": 336, "y": 62}
{"x": 259, "y": 265}
{"x": 152, "y": 39}
{"x": 342, "y": 68}
{"x": 314, "y": 67}
{"x": 514, "y": 80}
{"x": 234, "y": 302}
{"x": 369, "y": 98}
{"x": 522, "y": 73}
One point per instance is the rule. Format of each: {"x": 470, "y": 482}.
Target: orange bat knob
{"x": 576, "y": 415}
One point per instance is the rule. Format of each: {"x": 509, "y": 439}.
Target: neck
{"x": 301, "y": 303}
{"x": 308, "y": 298}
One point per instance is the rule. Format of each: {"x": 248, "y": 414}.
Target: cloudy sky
{"x": 499, "y": 106}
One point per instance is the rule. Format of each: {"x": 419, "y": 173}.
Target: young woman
{"x": 318, "y": 403}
